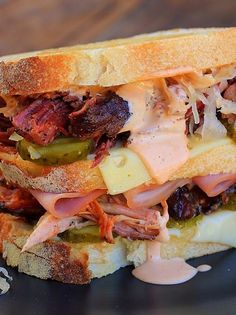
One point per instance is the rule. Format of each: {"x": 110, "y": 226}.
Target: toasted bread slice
{"x": 78, "y": 263}
{"x": 116, "y": 62}
{"x": 81, "y": 177}
{"x": 78, "y": 176}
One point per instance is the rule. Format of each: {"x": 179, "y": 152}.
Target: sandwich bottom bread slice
{"x": 78, "y": 258}
{"x": 119, "y": 153}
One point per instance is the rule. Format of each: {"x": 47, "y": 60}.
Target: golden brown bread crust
{"x": 75, "y": 177}
{"x": 221, "y": 159}
{"x": 79, "y": 263}
{"x": 116, "y": 62}
{"x": 52, "y": 260}
{"x": 34, "y": 74}
{"x": 55, "y": 259}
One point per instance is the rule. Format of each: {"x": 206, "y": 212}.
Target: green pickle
{"x": 190, "y": 223}
{"x": 60, "y": 151}
{"x": 88, "y": 234}
{"x": 231, "y": 204}
{"x": 183, "y": 224}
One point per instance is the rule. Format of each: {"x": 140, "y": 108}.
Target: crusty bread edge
{"x": 118, "y": 62}
{"x": 80, "y": 263}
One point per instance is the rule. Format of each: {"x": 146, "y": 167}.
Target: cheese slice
{"x": 123, "y": 170}
{"x": 218, "y": 227}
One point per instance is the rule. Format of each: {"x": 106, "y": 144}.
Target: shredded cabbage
{"x": 212, "y": 128}
{"x": 225, "y": 106}
{"x": 224, "y": 73}
{"x": 193, "y": 104}
{"x": 15, "y": 137}
{"x": 207, "y": 88}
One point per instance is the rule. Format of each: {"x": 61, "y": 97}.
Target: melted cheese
{"x": 123, "y": 170}
{"x": 157, "y": 129}
{"x": 115, "y": 172}
{"x": 217, "y": 227}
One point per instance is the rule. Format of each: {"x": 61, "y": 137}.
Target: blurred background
{"x": 33, "y": 25}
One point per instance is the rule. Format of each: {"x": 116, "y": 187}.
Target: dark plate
{"x": 211, "y": 293}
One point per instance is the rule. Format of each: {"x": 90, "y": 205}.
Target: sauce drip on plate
{"x": 165, "y": 271}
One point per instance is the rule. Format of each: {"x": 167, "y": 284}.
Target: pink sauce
{"x": 165, "y": 271}
{"x": 157, "y": 134}
{"x": 204, "y": 268}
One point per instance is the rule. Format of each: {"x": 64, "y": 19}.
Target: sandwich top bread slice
{"x": 113, "y": 147}
{"x": 116, "y": 62}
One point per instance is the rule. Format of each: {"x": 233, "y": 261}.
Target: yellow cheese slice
{"x": 123, "y": 170}
{"x": 218, "y": 227}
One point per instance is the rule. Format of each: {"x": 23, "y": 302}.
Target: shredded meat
{"x": 7, "y": 149}
{"x": 100, "y": 115}
{"x": 51, "y": 114}
{"x": 19, "y": 201}
{"x": 6, "y": 129}
{"x": 231, "y": 118}
{"x": 42, "y": 120}
{"x": 186, "y": 203}
{"x": 102, "y": 150}
{"x": 4, "y": 137}
{"x": 5, "y": 123}
{"x": 134, "y": 232}
{"x": 230, "y": 92}
{"x": 189, "y": 117}
{"x": 105, "y": 144}
{"x": 105, "y": 221}
{"x": 141, "y": 224}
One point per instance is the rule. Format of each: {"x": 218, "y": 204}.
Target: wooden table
{"x": 32, "y": 25}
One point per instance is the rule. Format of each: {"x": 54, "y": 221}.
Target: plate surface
{"x": 213, "y": 292}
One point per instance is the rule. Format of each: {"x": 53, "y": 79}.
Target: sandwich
{"x": 108, "y": 150}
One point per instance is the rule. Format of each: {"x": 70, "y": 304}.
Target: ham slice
{"x": 148, "y": 196}
{"x": 132, "y": 223}
{"x": 213, "y": 185}
{"x": 65, "y": 204}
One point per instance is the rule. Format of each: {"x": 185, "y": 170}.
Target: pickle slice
{"x": 86, "y": 234}
{"x": 60, "y": 151}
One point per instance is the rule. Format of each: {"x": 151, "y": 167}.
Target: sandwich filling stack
{"x": 108, "y": 150}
